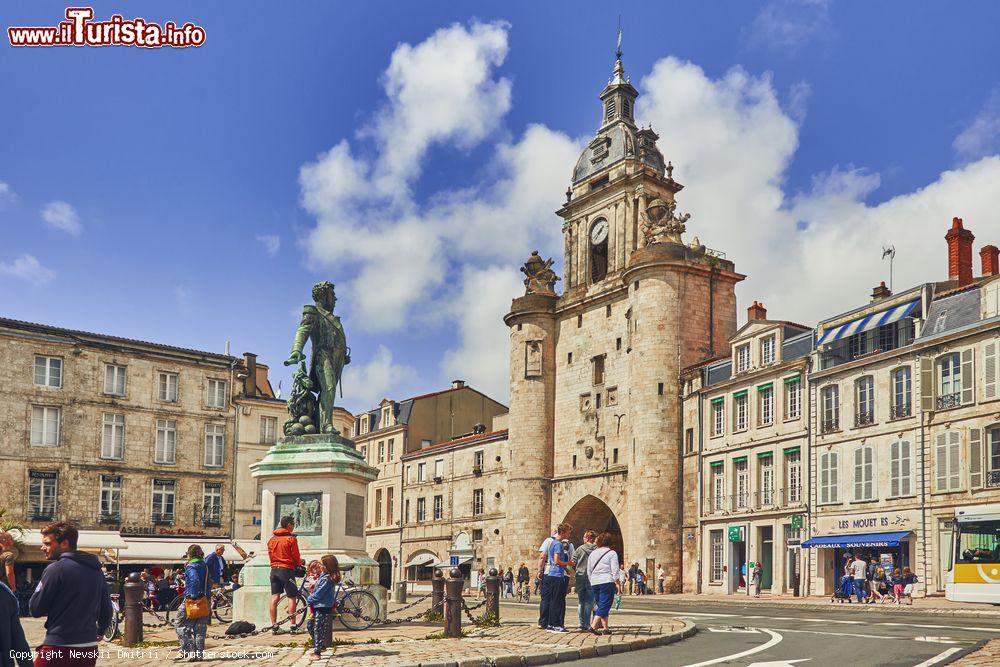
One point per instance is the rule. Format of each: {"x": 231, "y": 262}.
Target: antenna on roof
{"x": 890, "y": 252}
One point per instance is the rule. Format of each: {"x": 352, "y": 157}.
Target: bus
{"x": 975, "y": 572}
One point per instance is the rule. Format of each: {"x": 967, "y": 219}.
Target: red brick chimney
{"x": 757, "y": 312}
{"x": 991, "y": 260}
{"x": 881, "y": 292}
{"x": 959, "y": 253}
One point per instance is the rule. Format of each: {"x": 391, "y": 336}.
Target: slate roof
{"x": 952, "y": 312}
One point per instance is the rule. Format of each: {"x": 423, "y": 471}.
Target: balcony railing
{"x": 949, "y": 401}
{"x": 864, "y": 418}
{"x": 477, "y": 470}
{"x": 737, "y": 503}
{"x": 763, "y": 499}
{"x": 41, "y": 515}
{"x": 900, "y": 411}
{"x": 211, "y": 517}
{"x": 791, "y": 496}
{"x": 829, "y": 425}
{"x": 161, "y": 519}
{"x": 993, "y": 478}
{"x": 110, "y": 518}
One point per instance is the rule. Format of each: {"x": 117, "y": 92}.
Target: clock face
{"x": 599, "y": 232}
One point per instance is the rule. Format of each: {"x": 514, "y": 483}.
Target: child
{"x": 313, "y": 573}
{"x": 322, "y": 601}
{"x": 909, "y": 579}
{"x": 897, "y": 585}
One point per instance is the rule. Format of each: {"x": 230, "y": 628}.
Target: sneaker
{"x": 557, "y": 629}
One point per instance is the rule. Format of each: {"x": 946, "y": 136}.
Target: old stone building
{"x": 120, "y": 436}
{"x": 595, "y": 415}
{"x": 397, "y": 428}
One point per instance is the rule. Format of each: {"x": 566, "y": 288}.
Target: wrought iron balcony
{"x": 110, "y": 518}
{"x": 993, "y": 478}
{"x": 791, "y": 496}
{"x": 211, "y": 517}
{"x": 162, "y": 519}
{"x": 829, "y": 425}
{"x": 900, "y": 411}
{"x": 949, "y": 401}
{"x": 864, "y": 418}
{"x": 41, "y": 515}
{"x": 477, "y": 470}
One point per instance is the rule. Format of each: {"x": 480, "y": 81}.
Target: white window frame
{"x": 829, "y": 478}
{"x": 115, "y": 378}
{"x": 767, "y": 348}
{"x": 438, "y": 508}
{"x": 378, "y": 507}
{"x": 478, "y": 502}
{"x": 439, "y": 468}
{"x": 948, "y": 477}
{"x": 766, "y": 466}
{"x": 864, "y": 473}
{"x": 164, "y": 495}
{"x": 46, "y": 496}
{"x": 864, "y": 397}
{"x": 742, "y": 471}
{"x": 168, "y": 387}
{"x": 110, "y": 497}
{"x": 949, "y": 374}
{"x": 900, "y": 469}
{"x": 46, "y": 424}
{"x": 216, "y": 393}
{"x": 765, "y": 398}
{"x": 902, "y": 389}
{"x": 793, "y": 476}
{"x": 51, "y": 371}
{"x": 830, "y": 404}
{"x": 381, "y": 451}
{"x": 390, "y": 445}
{"x": 478, "y": 459}
{"x": 215, "y": 445}
{"x": 421, "y": 472}
{"x": 719, "y": 418}
{"x": 165, "y": 449}
{"x": 741, "y": 412}
{"x": 718, "y": 488}
{"x": 793, "y": 399}
{"x": 211, "y": 498}
{"x": 421, "y": 509}
{"x": 716, "y": 544}
{"x": 268, "y": 430}
{"x": 743, "y": 358}
{"x": 113, "y": 436}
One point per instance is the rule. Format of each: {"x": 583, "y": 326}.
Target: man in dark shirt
{"x": 14, "y": 649}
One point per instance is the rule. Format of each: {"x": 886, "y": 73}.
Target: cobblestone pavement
{"x": 517, "y": 642}
{"x": 987, "y": 656}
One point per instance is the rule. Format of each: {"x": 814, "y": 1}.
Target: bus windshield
{"x": 978, "y": 542}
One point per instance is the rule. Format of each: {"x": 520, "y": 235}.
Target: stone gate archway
{"x": 591, "y": 513}
{"x": 384, "y": 559}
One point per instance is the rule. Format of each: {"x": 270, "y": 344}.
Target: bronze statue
{"x": 330, "y": 354}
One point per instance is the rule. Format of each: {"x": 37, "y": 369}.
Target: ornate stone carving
{"x": 660, "y": 224}
{"x": 539, "y": 276}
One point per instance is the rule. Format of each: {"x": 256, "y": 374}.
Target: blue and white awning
{"x": 868, "y": 322}
{"x": 857, "y": 541}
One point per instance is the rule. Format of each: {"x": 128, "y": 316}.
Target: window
{"x": 439, "y": 468}
{"x": 718, "y": 488}
{"x": 626, "y": 108}
{"x": 766, "y": 469}
{"x": 569, "y": 358}
{"x": 216, "y": 394}
{"x": 609, "y": 109}
{"x": 742, "y": 410}
{"x": 900, "y": 469}
{"x": 477, "y": 460}
{"x": 391, "y": 446}
{"x": 765, "y": 404}
{"x": 793, "y": 398}
{"x": 767, "y": 350}
{"x": 166, "y": 441}
{"x": 598, "y": 369}
{"x": 993, "y": 457}
{"x": 607, "y": 310}
{"x": 114, "y": 380}
{"x": 420, "y": 471}
{"x": 689, "y": 441}
{"x": 947, "y": 461}
{"x": 166, "y": 387}
{"x": 438, "y": 507}
{"x": 715, "y": 540}
{"x": 477, "y": 502}
{"x": 406, "y": 510}
{"x": 991, "y": 300}
{"x": 113, "y": 437}
{"x": 43, "y": 489}
{"x": 111, "y": 497}
{"x": 477, "y": 534}
{"x": 830, "y": 397}
{"x": 211, "y": 504}
{"x": 864, "y": 397}
{"x": 421, "y": 509}
{"x": 742, "y": 482}
{"x": 268, "y": 430}
{"x": 902, "y": 402}
{"x": 991, "y": 367}
{"x": 949, "y": 381}
{"x": 793, "y": 476}
{"x": 378, "y": 507}
{"x": 864, "y": 473}
{"x": 48, "y": 372}
{"x": 829, "y": 469}
{"x": 718, "y": 416}
{"x": 743, "y": 358}
{"x": 45, "y": 425}
{"x": 381, "y": 451}
{"x": 163, "y": 500}
{"x": 425, "y": 443}
{"x": 389, "y": 505}
{"x": 215, "y": 445}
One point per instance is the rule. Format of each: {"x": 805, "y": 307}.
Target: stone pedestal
{"x": 322, "y": 482}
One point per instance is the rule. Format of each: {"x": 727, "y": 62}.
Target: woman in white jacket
{"x": 602, "y": 571}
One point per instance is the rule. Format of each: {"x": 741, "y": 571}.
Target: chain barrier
{"x": 399, "y": 621}
{"x": 468, "y": 610}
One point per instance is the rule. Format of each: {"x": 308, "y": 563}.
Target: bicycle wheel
{"x": 357, "y": 606}
{"x": 222, "y": 607}
{"x": 112, "y": 630}
{"x": 172, "y": 608}
{"x": 301, "y": 609}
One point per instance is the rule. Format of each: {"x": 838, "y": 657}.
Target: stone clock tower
{"x": 595, "y": 406}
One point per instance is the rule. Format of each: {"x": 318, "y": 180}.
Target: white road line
{"x": 775, "y": 639}
{"x": 944, "y": 627}
{"x": 944, "y": 640}
{"x": 939, "y": 657}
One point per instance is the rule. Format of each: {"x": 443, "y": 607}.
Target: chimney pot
{"x": 990, "y": 256}
{"x": 250, "y": 381}
{"x": 757, "y": 312}
{"x": 959, "y": 253}
{"x": 881, "y": 292}
{"x": 457, "y": 384}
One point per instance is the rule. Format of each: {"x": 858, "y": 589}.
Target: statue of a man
{"x": 329, "y": 350}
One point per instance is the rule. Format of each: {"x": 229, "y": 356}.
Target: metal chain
{"x": 254, "y": 633}
{"x": 468, "y": 610}
{"x": 412, "y": 604}
{"x": 399, "y": 621}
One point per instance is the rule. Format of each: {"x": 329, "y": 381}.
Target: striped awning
{"x": 868, "y": 322}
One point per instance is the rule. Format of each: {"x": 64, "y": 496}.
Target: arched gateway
{"x": 590, "y": 513}
{"x": 384, "y": 568}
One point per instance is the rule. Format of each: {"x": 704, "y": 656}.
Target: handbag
{"x": 196, "y": 609}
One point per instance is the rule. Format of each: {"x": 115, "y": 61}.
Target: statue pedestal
{"x": 322, "y": 482}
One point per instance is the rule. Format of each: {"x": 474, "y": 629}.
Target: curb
{"x": 906, "y": 609}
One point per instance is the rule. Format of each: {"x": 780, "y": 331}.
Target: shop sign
{"x": 869, "y": 522}
{"x": 736, "y": 534}
{"x": 797, "y": 521}
{"x": 153, "y": 531}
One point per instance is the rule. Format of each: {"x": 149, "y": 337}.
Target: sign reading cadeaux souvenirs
{"x": 868, "y": 522}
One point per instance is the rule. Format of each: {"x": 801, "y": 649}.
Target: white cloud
{"x": 982, "y": 136}
{"x": 271, "y": 243}
{"x": 62, "y": 216}
{"x": 6, "y": 194}
{"x": 787, "y": 24}
{"x": 367, "y": 383}
{"x": 182, "y": 296}
{"x": 28, "y": 269}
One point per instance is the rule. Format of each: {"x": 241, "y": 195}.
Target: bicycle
{"x": 352, "y": 605}
{"x": 523, "y": 591}
{"x": 220, "y": 601}
{"x": 118, "y": 614}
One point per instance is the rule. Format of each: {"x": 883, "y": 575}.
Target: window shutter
{"x": 968, "y": 384}
{"x": 859, "y": 473}
{"x": 926, "y": 384}
{"x": 869, "y": 472}
{"x": 834, "y": 477}
{"x": 990, "y": 370}
{"x": 894, "y": 471}
{"x": 941, "y": 461}
{"x": 975, "y": 458}
{"x": 954, "y": 460}
{"x": 905, "y": 468}
{"x": 824, "y": 478}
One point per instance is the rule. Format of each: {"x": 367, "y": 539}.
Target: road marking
{"x": 742, "y": 631}
{"x": 779, "y": 663}
{"x": 944, "y": 627}
{"x": 937, "y": 640}
{"x": 775, "y": 639}
{"x": 940, "y": 657}
{"x": 870, "y": 636}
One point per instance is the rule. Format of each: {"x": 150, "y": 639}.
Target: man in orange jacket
{"x": 283, "y": 552}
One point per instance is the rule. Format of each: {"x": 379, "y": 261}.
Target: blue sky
{"x": 413, "y": 153}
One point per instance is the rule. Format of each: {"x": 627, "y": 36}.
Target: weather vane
{"x": 890, "y": 252}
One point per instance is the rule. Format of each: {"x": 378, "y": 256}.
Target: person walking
{"x": 879, "y": 585}
{"x": 661, "y": 579}
{"x": 7, "y": 558}
{"x": 897, "y": 585}
{"x": 73, "y": 596}
{"x": 508, "y": 583}
{"x": 191, "y": 629}
{"x": 870, "y": 585}
{"x": 523, "y": 582}
{"x": 216, "y": 565}
{"x": 553, "y": 562}
{"x": 14, "y": 649}
{"x": 583, "y": 586}
{"x": 859, "y": 570}
{"x": 909, "y": 579}
{"x": 283, "y": 553}
{"x": 604, "y": 574}
{"x": 632, "y": 571}
{"x": 322, "y": 602}
{"x": 480, "y": 583}
{"x": 538, "y": 583}
{"x": 755, "y": 578}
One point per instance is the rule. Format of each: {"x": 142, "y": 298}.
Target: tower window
{"x": 599, "y": 369}
{"x": 609, "y": 109}
{"x": 627, "y": 108}
{"x": 569, "y": 358}
{"x": 579, "y": 320}
{"x": 618, "y": 343}
{"x": 659, "y": 389}
{"x": 607, "y": 310}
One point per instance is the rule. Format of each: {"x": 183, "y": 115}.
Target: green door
{"x": 766, "y": 559}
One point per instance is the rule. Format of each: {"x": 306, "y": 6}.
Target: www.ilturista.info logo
{"x": 81, "y": 30}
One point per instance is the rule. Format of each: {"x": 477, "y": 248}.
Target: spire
{"x": 618, "y": 76}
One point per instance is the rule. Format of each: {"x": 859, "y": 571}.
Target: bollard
{"x": 134, "y": 590}
{"x": 493, "y": 594}
{"x": 453, "y": 604}
{"x": 401, "y": 592}
{"x": 437, "y": 592}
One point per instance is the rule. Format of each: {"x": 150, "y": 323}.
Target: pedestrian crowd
{"x": 871, "y": 583}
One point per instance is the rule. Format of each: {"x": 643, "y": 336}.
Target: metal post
{"x": 437, "y": 591}
{"x": 453, "y": 604}
{"x": 134, "y": 589}
{"x": 493, "y": 594}
{"x": 401, "y": 592}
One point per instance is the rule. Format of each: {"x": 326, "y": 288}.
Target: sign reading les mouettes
{"x": 867, "y": 522}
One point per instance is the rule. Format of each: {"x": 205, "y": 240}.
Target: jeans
{"x": 859, "y": 588}
{"x": 586, "y": 595}
{"x": 552, "y": 611}
{"x": 321, "y": 623}
{"x": 191, "y": 632}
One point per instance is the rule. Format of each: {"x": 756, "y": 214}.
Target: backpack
{"x": 240, "y": 628}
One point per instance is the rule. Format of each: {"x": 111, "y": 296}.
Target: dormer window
{"x": 767, "y": 350}
{"x": 609, "y": 110}
{"x": 743, "y": 358}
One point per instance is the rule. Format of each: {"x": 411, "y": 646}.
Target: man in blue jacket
{"x": 14, "y": 649}
{"x": 216, "y": 565}
{"x": 74, "y": 597}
